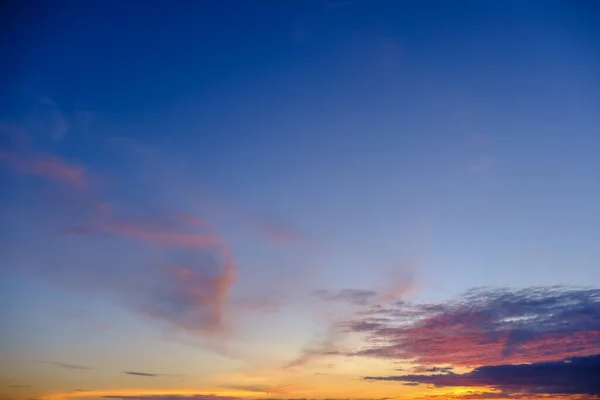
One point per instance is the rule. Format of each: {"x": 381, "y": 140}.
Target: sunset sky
{"x": 351, "y": 199}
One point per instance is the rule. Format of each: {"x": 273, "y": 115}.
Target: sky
{"x": 226, "y": 200}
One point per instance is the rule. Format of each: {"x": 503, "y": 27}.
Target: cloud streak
{"x": 357, "y": 297}
{"x": 67, "y": 365}
{"x": 148, "y": 375}
{"x": 46, "y": 166}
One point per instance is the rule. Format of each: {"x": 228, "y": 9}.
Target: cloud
{"x": 188, "y": 284}
{"x": 19, "y": 386}
{"x": 276, "y": 389}
{"x": 576, "y": 375}
{"x": 168, "y": 237}
{"x": 190, "y": 291}
{"x": 318, "y": 347}
{"x": 358, "y": 297}
{"x": 260, "y": 227}
{"x": 146, "y": 374}
{"x": 134, "y": 146}
{"x": 46, "y": 166}
{"x": 190, "y": 296}
{"x": 486, "y": 327}
{"x": 54, "y": 119}
{"x": 434, "y": 369}
{"x": 67, "y": 365}
{"x": 482, "y": 164}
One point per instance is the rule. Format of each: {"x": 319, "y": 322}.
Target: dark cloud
{"x": 67, "y": 365}
{"x": 576, "y": 375}
{"x": 19, "y": 386}
{"x": 357, "y": 297}
{"x": 486, "y": 327}
{"x": 149, "y": 375}
{"x": 140, "y": 373}
{"x": 440, "y": 369}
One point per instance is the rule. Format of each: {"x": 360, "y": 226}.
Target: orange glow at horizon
{"x": 147, "y": 392}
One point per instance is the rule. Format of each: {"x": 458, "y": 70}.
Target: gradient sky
{"x": 299, "y": 199}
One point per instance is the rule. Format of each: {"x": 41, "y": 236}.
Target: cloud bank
{"x": 577, "y": 375}
{"x": 485, "y": 327}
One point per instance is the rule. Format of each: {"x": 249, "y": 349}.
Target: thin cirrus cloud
{"x": 486, "y": 327}
{"x": 67, "y": 365}
{"x": 277, "y": 234}
{"x": 147, "y": 230}
{"x": 572, "y": 376}
{"x": 273, "y": 389}
{"x": 358, "y": 297}
{"x": 46, "y": 166}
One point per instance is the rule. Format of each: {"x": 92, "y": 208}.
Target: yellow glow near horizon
{"x": 147, "y": 392}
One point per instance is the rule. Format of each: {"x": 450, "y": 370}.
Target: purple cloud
{"x": 486, "y": 327}
{"x": 577, "y": 375}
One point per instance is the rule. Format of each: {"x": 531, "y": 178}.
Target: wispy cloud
{"x": 578, "y": 375}
{"x": 149, "y": 375}
{"x": 260, "y": 227}
{"x": 359, "y": 297}
{"x": 265, "y": 389}
{"x": 54, "y": 119}
{"x": 318, "y": 347}
{"x": 487, "y": 327}
{"x": 46, "y": 166}
{"x": 482, "y": 164}
{"x": 19, "y": 386}
{"x": 147, "y": 231}
{"x": 135, "y": 146}
{"x": 187, "y": 287}
{"x": 67, "y": 365}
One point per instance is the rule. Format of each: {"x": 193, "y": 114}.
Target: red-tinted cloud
{"x": 486, "y": 327}
{"x": 170, "y": 238}
{"x": 46, "y": 166}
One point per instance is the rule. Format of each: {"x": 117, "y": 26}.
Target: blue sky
{"x": 413, "y": 149}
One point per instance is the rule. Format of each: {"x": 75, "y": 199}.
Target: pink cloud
{"x": 486, "y": 328}
{"x": 46, "y": 166}
{"x": 176, "y": 239}
{"x": 256, "y": 226}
